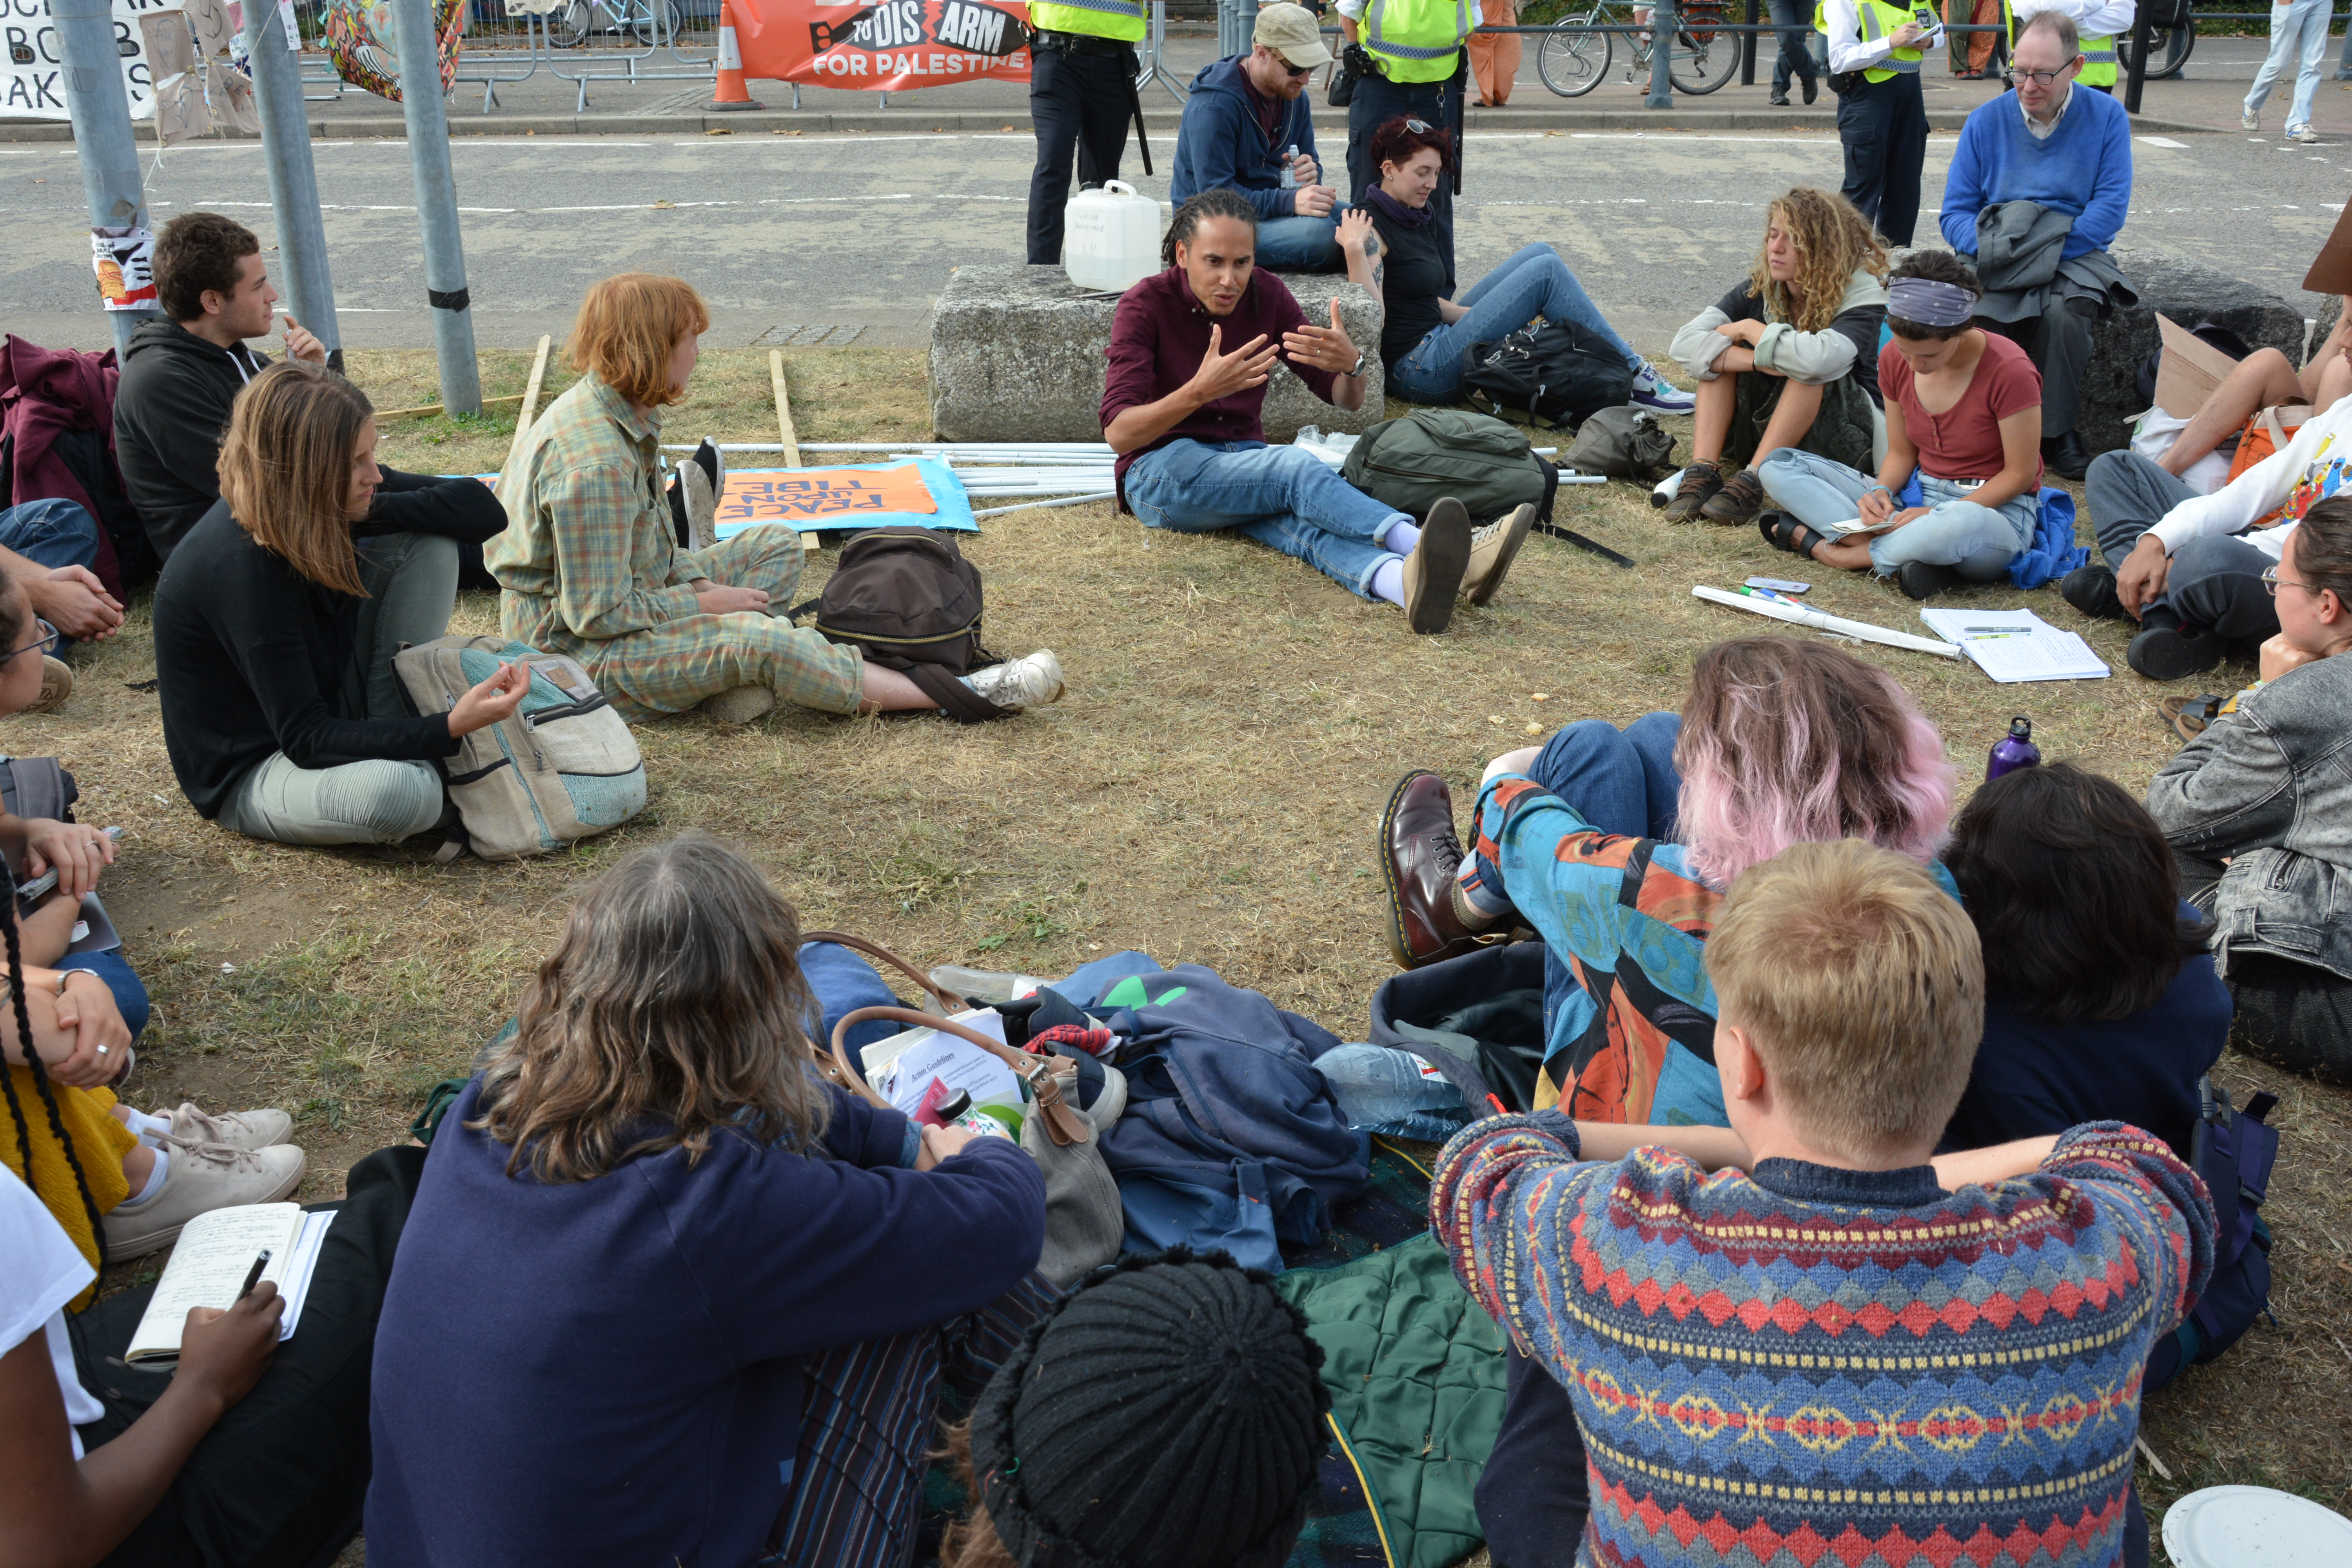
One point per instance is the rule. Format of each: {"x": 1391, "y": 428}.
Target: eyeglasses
{"x": 1295, "y": 71}
{"x": 44, "y": 645}
{"x": 2043, "y": 78}
{"x": 2272, "y": 582}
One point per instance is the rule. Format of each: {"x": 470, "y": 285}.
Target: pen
{"x": 253, "y": 1275}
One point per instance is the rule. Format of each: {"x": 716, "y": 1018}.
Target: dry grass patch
{"x": 1209, "y": 790}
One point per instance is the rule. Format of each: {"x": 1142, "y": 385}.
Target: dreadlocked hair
{"x": 33, "y": 1065}
{"x": 1222, "y": 202}
{"x": 1832, "y": 241}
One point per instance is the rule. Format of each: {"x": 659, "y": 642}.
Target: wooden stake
{"x": 529, "y": 401}
{"x": 436, "y": 408}
{"x": 809, "y": 541}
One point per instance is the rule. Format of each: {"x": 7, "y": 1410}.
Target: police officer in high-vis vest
{"x": 1081, "y": 97}
{"x": 2096, "y": 23}
{"x": 1875, "y": 54}
{"x": 1420, "y": 56}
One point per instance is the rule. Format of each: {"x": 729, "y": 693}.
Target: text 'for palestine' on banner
{"x": 894, "y": 46}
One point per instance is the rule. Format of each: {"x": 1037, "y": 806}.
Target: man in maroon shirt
{"x": 1190, "y": 349}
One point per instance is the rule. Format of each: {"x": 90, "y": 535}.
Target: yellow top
{"x": 1417, "y": 40}
{"x": 98, "y": 1141}
{"x": 1121, "y": 19}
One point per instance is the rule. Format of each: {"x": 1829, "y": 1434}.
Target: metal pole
{"x": 101, "y": 107}
{"x": 1747, "y": 50}
{"x": 2343, "y": 66}
{"x": 1661, "y": 54}
{"x": 2136, "y": 77}
{"x": 436, "y": 207}
{"x": 293, "y": 179}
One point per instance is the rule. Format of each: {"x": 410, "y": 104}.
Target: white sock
{"x": 1402, "y": 536}
{"x": 155, "y": 1179}
{"x": 151, "y": 1128}
{"x": 1388, "y": 582}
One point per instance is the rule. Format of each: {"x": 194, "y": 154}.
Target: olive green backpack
{"x": 1486, "y": 464}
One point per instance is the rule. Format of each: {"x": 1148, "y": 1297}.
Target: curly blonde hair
{"x": 1834, "y": 242}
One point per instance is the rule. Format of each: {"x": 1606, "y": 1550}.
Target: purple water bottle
{"x": 2013, "y": 751}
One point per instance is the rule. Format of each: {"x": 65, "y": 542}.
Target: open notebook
{"x": 2013, "y": 646}
{"x": 209, "y": 1267}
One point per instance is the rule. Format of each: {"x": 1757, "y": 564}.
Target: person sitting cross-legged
{"x": 1247, "y": 123}
{"x": 589, "y": 564}
{"x": 1963, "y": 413}
{"x": 1733, "y": 1312}
{"x": 1789, "y": 358}
{"x": 1191, "y": 350}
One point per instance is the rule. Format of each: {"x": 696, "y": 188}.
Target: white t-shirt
{"x": 40, "y": 1270}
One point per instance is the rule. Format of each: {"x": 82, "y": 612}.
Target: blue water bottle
{"x": 2013, "y": 751}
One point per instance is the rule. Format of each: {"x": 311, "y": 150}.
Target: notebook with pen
{"x": 209, "y": 1264}
{"x": 2013, "y": 646}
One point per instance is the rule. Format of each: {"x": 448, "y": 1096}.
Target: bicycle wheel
{"x": 1572, "y": 58}
{"x": 1704, "y": 56}
{"x": 2169, "y": 52}
{"x": 569, "y": 27}
{"x": 642, "y": 16}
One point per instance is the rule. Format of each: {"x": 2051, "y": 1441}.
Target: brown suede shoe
{"x": 1700, "y": 483}
{"x": 1738, "y": 501}
{"x": 1418, "y": 855}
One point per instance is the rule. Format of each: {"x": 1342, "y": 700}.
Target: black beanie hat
{"x": 1167, "y": 1414}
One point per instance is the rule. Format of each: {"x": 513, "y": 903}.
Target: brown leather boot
{"x": 1418, "y": 855}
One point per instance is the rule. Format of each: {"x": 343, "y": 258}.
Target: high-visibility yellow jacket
{"x": 1417, "y": 40}
{"x": 1121, "y": 19}
{"x": 1878, "y": 20}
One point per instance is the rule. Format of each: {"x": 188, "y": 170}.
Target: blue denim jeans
{"x": 1297, "y": 243}
{"x": 1283, "y": 497}
{"x": 2299, "y": 33}
{"x": 1979, "y": 540}
{"x": 129, "y": 994}
{"x": 51, "y": 534}
{"x": 1535, "y": 282}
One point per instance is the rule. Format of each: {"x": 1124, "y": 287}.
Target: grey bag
{"x": 1625, "y": 443}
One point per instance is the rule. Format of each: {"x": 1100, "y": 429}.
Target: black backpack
{"x": 1551, "y": 373}
{"x": 2232, "y": 1152}
{"x": 908, "y": 599}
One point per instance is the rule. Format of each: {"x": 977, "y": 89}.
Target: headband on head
{"x": 1931, "y": 303}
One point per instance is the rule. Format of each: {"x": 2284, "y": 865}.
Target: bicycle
{"x": 573, "y": 23}
{"x": 2168, "y": 51}
{"x": 1574, "y": 55}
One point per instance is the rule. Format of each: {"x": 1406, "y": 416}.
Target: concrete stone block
{"x": 1017, "y": 355}
{"x": 2188, "y": 293}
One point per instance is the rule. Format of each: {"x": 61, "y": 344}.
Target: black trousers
{"x": 280, "y": 1483}
{"x": 1531, "y": 1496}
{"x": 2297, "y": 1015}
{"x": 2058, "y": 342}
{"x": 1884, "y": 125}
{"x": 1379, "y": 100}
{"x": 1081, "y": 104}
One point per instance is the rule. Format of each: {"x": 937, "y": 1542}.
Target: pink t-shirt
{"x": 1964, "y": 441}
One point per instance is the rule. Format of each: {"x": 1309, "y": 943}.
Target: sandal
{"x": 2189, "y": 716}
{"x": 1785, "y": 532}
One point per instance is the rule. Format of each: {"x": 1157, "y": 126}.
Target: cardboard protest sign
{"x": 869, "y": 495}
{"x": 2188, "y": 371}
{"x": 890, "y": 47}
{"x": 35, "y": 71}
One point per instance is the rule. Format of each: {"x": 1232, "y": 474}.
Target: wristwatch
{"x": 1357, "y": 369}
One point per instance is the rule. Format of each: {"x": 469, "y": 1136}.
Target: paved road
{"x": 851, "y": 238}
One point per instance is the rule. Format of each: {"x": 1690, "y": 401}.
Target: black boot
{"x": 2092, "y": 589}
{"x": 2065, "y": 456}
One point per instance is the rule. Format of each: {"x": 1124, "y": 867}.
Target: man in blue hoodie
{"x": 1247, "y": 125}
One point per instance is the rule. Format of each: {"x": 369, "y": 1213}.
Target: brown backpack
{"x": 906, "y": 597}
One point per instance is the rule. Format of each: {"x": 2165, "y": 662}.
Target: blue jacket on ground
{"x": 1220, "y": 142}
{"x": 2084, "y": 169}
{"x": 610, "y": 1371}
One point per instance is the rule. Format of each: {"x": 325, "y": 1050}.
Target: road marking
{"x": 2163, "y": 142}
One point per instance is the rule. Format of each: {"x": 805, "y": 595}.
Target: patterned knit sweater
{"x": 1843, "y": 1368}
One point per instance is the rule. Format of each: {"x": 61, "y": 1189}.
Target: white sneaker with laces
{"x": 1653, "y": 392}
{"x": 238, "y": 1129}
{"x": 2303, "y": 134}
{"x": 2250, "y": 121}
{"x": 1020, "y": 683}
{"x": 203, "y": 1177}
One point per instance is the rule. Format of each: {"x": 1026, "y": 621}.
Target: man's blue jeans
{"x": 1979, "y": 542}
{"x": 1297, "y": 243}
{"x": 2299, "y": 33}
{"x": 1535, "y": 282}
{"x": 50, "y": 533}
{"x": 1283, "y": 497}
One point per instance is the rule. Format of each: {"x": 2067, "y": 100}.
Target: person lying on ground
{"x": 1852, "y": 995}
{"x": 1247, "y": 127}
{"x": 274, "y": 632}
{"x": 756, "y": 1280}
{"x": 184, "y": 370}
{"x": 2263, "y": 379}
{"x": 1789, "y": 358}
{"x": 2189, "y": 568}
{"x": 1190, "y": 349}
{"x": 1167, "y": 1411}
{"x": 2257, "y": 809}
{"x": 1425, "y": 334}
{"x": 2101, "y": 1002}
{"x": 1963, "y": 413}
{"x": 589, "y": 564}
{"x": 248, "y": 1451}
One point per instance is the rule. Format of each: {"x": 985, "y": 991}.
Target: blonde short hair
{"x": 1860, "y": 982}
{"x": 628, "y": 327}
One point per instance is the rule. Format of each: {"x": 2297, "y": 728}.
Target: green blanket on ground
{"x": 1415, "y": 1370}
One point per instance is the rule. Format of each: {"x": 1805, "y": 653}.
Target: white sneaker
{"x": 2250, "y": 121}
{"x": 2303, "y": 134}
{"x": 238, "y": 1129}
{"x": 1653, "y": 392}
{"x": 1020, "y": 683}
{"x": 741, "y": 704}
{"x": 204, "y": 1177}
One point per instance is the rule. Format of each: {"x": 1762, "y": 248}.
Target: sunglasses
{"x": 1295, "y": 71}
{"x": 1418, "y": 127}
{"x": 46, "y": 644}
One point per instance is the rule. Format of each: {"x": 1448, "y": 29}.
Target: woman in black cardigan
{"x": 275, "y": 629}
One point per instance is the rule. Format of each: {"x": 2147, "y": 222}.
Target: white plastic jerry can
{"x": 1111, "y": 236}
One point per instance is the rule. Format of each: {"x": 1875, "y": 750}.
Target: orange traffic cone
{"x": 733, "y": 94}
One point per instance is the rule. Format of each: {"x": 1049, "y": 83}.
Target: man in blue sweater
{"x": 1247, "y": 127}
{"x": 2068, "y": 154}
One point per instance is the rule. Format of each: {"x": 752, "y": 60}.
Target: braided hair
{"x": 34, "y": 1065}
{"x": 1222, "y": 202}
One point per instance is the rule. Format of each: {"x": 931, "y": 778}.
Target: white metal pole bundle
{"x": 1799, "y": 616}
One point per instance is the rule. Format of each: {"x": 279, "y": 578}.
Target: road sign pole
{"x": 436, "y": 207}
{"x": 293, "y": 178}
{"x": 101, "y": 107}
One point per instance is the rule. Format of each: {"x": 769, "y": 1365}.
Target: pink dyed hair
{"x": 1788, "y": 741}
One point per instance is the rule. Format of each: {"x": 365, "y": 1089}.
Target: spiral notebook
{"x": 2013, "y": 646}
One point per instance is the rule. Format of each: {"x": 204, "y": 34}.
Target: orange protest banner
{"x": 892, "y": 46}
{"x": 821, "y": 498}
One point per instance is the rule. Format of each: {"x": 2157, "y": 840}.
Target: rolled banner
{"x": 1802, "y": 616}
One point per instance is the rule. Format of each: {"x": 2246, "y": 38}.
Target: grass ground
{"x": 1208, "y": 791}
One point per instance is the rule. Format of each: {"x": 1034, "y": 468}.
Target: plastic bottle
{"x": 1396, "y": 1092}
{"x": 2013, "y": 751}
{"x": 1290, "y": 167}
{"x": 987, "y": 986}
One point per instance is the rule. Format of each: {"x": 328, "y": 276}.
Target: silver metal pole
{"x": 293, "y": 179}
{"x": 436, "y": 207}
{"x": 101, "y": 107}
{"x": 1661, "y": 54}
